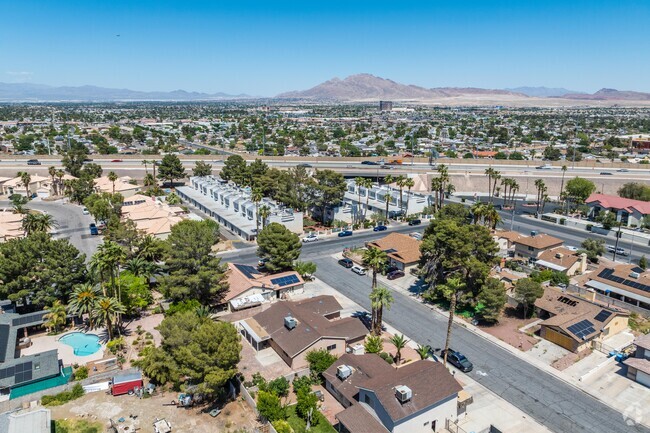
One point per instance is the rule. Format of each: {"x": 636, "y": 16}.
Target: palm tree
{"x": 444, "y": 180}
{"x": 106, "y": 261}
{"x": 436, "y": 183}
{"x": 59, "y": 176}
{"x": 564, "y": 169}
{"x": 489, "y": 172}
{"x": 423, "y": 351}
{"x": 37, "y": 222}
{"x": 56, "y": 316}
{"x": 375, "y": 259}
{"x": 148, "y": 180}
{"x": 145, "y": 162}
{"x": 112, "y": 177}
{"x": 505, "y": 183}
{"x": 399, "y": 341}
{"x": 265, "y": 211}
{"x": 539, "y": 184}
{"x": 389, "y": 179}
{"x": 107, "y": 311}
{"x": 380, "y": 298}
{"x": 154, "y": 164}
{"x": 203, "y": 312}
{"x": 496, "y": 175}
{"x": 514, "y": 187}
{"x": 52, "y": 172}
{"x": 387, "y": 198}
{"x": 83, "y": 300}
{"x": 137, "y": 266}
{"x": 256, "y": 197}
{"x": 367, "y": 184}
{"x": 19, "y": 208}
{"x": 408, "y": 183}
{"x": 150, "y": 248}
{"x": 359, "y": 182}
{"x": 478, "y": 212}
{"x": 25, "y": 179}
{"x": 491, "y": 216}
{"x": 452, "y": 289}
{"x": 400, "y": 184}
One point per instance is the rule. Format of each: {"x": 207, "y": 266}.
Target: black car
{"x": 379, "y": 228}
{"x": 345, "y": 233}
{"x": 304, "y": 165}
{"x": 33, "y": 162}
{"x": 346, "y": 263}
{"x": 458, "y": 360}
{"x": 395, "y": 275}
{"x": 369, "y": 163}
{"x": 605, "y": 173}
{"x": 415, "y": 222}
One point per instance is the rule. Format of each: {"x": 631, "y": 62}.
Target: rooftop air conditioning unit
{"x": 559, "y": 255}
{"x": 290, "y": 323}
{"x": 635, "y": 275}
{"x": 343, "y": 371}
{"x": 403, "y": 393}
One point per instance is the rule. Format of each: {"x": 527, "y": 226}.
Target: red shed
{"x": 125, "y": 383}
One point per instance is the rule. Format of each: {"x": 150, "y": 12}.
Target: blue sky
{"x": 266, "y": 47}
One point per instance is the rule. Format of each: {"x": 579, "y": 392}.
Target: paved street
{"x": 549, "y": 400}
{"x": 72, "y": 224}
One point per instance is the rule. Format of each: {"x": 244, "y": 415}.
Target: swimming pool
{"x": 82, "y": 344}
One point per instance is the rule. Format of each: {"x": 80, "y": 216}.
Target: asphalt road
{"x": 72, "y": 224}
{"x": 550, "y": 401}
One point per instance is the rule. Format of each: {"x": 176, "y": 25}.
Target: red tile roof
{"x": 620, "y": 203}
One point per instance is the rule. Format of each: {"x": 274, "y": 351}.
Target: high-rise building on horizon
{"x": 385, "y": 105}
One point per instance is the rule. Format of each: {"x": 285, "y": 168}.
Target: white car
{"x": 85, "y": 211}
{"x": 310, "y": 238}
{"x": 358, "y": 270}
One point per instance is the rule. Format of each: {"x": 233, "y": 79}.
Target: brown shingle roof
{"x": 540, "y": 241}
{"x": 407, "y": 249}
{"x": 638, "y": 363}
{"x": 643, "y": 341}
{"x": 430, "y": 383}
{"x": 364, "y": 368}
{"x": 358, "y": 420}
{"x": 311, "y": 327}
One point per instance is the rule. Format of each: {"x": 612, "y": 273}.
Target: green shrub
{"x": 63, "y": 397}
{"x": 386, "y": 357}
{"x": 81, "y": 373}
{"x": 115, "y": 345}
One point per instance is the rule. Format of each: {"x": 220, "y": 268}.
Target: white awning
{"x": 245, "y": 302}
{"x": 550, "y": 265}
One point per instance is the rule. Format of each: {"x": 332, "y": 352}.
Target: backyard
{"x": 299, "y": 426}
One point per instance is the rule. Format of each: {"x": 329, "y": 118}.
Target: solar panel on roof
{"x": 603, "y": 315}
{"x": 637, "y": 269}
{"x": 582, "y": 328}
{"x": 248, "y": 271}
{"x": 285, "y": 281}
{"x": 4, "y": 341}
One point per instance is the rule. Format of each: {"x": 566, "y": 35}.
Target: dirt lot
{"x": 103, "y": 407}
{"x": 508, "y": 330}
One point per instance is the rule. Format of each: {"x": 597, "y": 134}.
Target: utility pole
{"x": 618, "y": 237}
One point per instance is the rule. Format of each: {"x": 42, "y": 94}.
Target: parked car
{"x": 261, "y": 264}
{"x": 93, "y": 229}
{"x": 416, "y": 236}
{"x": 458, "y": 360}
{"x": 85, "y": 211}
{"x": 379, "y": 228}
{"x": 33, "y": 162}
{"x": 345, "y": 233}
{"x": 358, "y": 270}
{"x": 395, "y": 275}
{"x": 415, "y": 222}
{"x": 312, "y": 237}
{"x": 346, "y": 263}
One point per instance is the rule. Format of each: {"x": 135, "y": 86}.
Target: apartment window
{"x": 331, "y": 347}
{"x": 531, "y": 249}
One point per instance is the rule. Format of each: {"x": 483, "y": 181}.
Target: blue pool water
{"x": 83, "y": 344}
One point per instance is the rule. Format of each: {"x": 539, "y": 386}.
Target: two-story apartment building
{"x": 628, "y": 211}
{"x": 416, "y": 398}
{"x": 531, "y": 247}
{"x": 638, "y": 366}
{"x": 234, "y": 208}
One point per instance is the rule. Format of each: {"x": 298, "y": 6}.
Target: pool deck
{"x": 66, "y": 353}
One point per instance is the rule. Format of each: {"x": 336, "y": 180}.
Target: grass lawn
{"x": 299, "y": 425}
{"x": 77, "y": 426}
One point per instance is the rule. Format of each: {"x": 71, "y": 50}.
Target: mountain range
{"x": 359, "y": 87}
{"x": 29, "y": 92}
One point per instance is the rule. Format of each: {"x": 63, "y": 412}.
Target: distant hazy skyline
{"x": 268, "y": 47}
